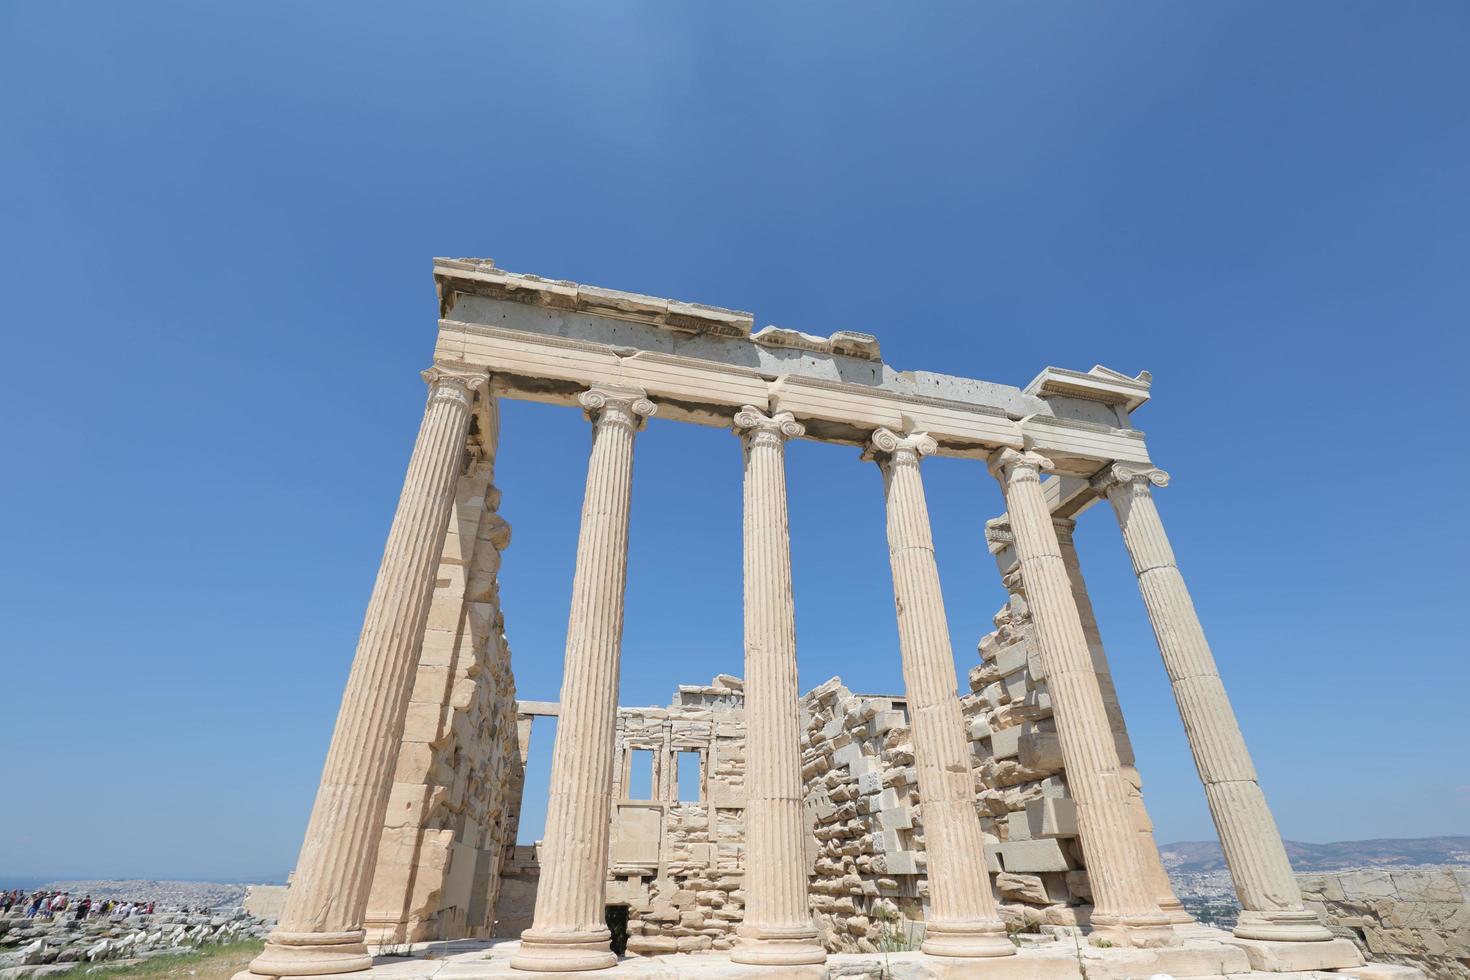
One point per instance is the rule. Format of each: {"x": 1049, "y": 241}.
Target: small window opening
{"x": 690, "y": 784}
{"x": 640, "y": 775}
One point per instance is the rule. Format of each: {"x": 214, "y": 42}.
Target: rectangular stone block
{"x": 901, "y": 818}
{"x": 1278, "y": 957}
{"x": 1055, "y": 787}
{"x": 1011, "y": 659}
{"x": 846, "y": 755}
{"x": 1051, "y": 817}
{"x": 899, "y": 863}
{"x": 726, "y": 796}
{"x": 631, "y": 891}
{"x": 886, "y": 721}
{"x": 1005, "y": 743}
{"x": 1040, "y": 750}
{"x": 1018, "y": 826}
{"x": 1017, "y": 685}
{"x": 1033, "y": 856}
{"x": 421, "y": 723}
{"x": 637, "y": 832}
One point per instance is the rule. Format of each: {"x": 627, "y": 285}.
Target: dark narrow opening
{"x": 616, "y": 917}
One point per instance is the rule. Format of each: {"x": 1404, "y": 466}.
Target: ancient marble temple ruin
{"x": 820, "y": 822}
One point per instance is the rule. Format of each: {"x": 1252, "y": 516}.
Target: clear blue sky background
{"x": 217, "y": 221}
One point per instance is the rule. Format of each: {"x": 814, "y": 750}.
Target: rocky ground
{"x": 34, "y": 948}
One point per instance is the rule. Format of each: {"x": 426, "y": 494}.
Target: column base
{"x": 311, "y": 954}
{"x": 1138, "y": 931}
{"x": 1174, "y": 911}
{"x": 1287, "y": 926}
{"x": 561, "y": 952}
{"x": 795, "y": 945}
{"x": 976, "y": 939}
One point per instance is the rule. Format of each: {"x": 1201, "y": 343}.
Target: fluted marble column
{"x": 568, "y": 930}
{"x": 778, "y": 928}
{"x": 1269, "y": 895}
{"x": 1148, "y": 848}
{"x": 962, "y": 918}
{"x": 321, "y": 927}
{"x": 1124, "y": 906}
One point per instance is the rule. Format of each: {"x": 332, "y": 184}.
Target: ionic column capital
{"x": 887, "y": 446}
{"x": 617, "y": 406}
{"x": 1010, "y": 465}
{"x": 444, "y": 378}
{"x": 751, "y": 422}
{"x": 1127, "y": 476}
{"x": 1064, "y": 526}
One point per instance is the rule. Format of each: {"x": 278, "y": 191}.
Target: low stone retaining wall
{"x": 1416, "y": 918}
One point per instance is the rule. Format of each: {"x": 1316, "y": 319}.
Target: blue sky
{"x": 215, "y": 233}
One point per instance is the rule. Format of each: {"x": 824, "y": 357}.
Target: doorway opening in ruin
{"x": 616, "y": 917}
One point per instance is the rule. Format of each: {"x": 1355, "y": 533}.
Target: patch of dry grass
{"x": 210, "y": 963}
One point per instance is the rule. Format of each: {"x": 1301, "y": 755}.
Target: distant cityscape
{"x": 1202, "y": 880}
{"x": 1196, "y": 868}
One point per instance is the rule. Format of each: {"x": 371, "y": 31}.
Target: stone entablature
{"x": 545, "y": 341}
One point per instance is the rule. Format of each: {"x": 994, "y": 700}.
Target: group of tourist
{"x": 51, "y": 905}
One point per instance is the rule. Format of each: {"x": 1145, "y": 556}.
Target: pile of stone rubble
{"x": 39, "y": 947}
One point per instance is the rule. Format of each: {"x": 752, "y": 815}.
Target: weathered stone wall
{"x": 1415, "y": 918}
{"x": 867, "y": 844}
{"x": 678, "y": 863}
{"x": 1026, "y": 808}
{"x": 457, "y": 784}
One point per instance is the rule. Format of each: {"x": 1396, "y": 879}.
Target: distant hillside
{"x": 1190, "y": 857}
